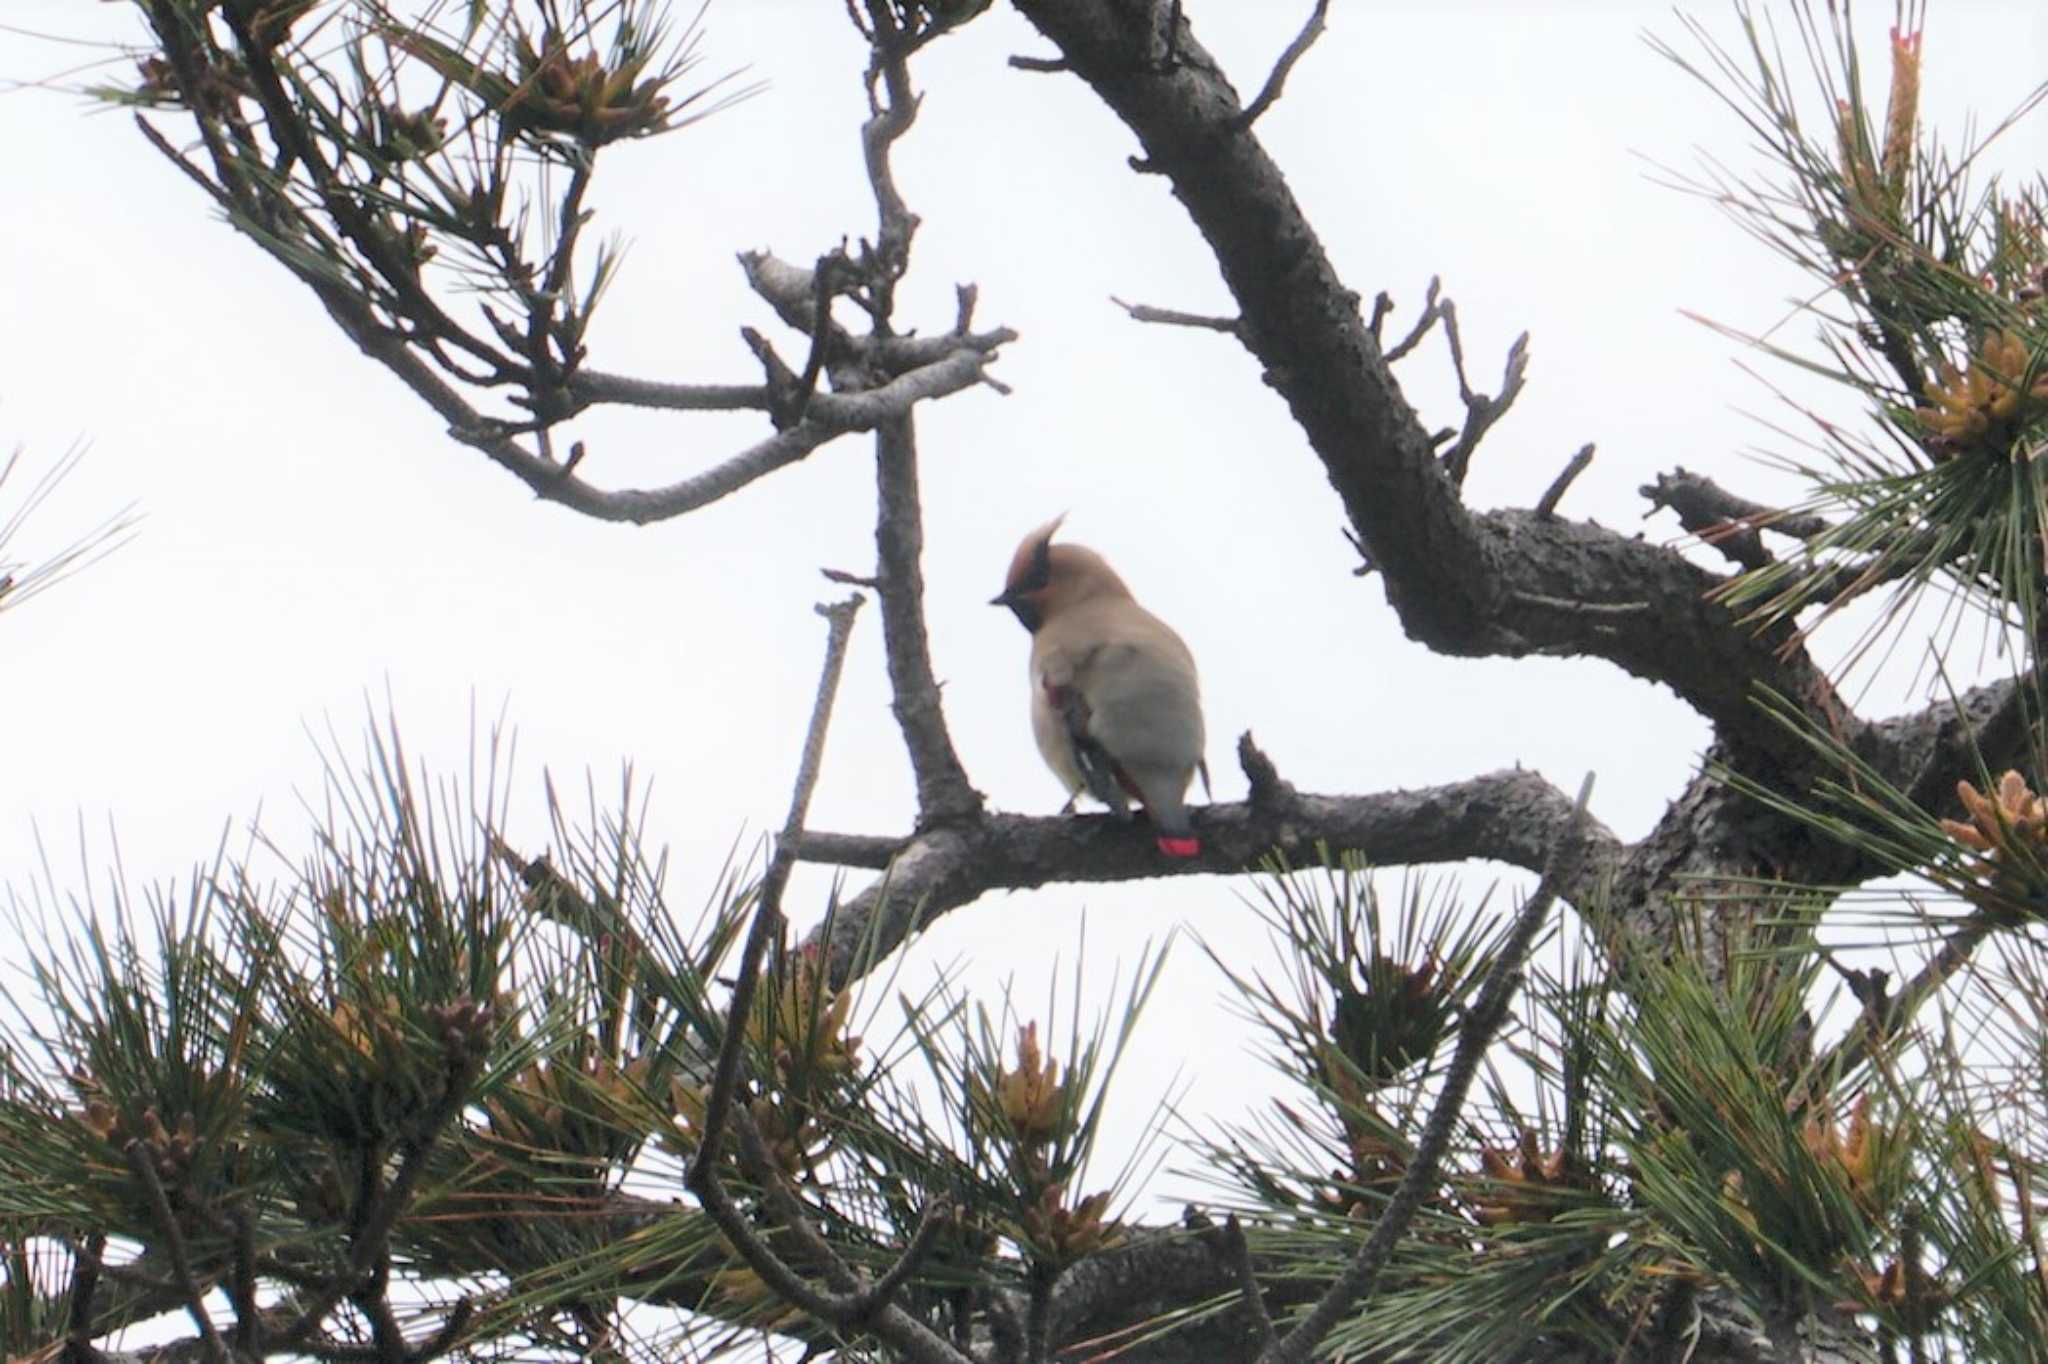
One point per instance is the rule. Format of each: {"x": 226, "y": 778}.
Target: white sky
{"x": 312, "y": 539}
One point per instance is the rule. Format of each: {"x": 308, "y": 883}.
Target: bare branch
{"x": 943, "y": 791}
{"x": 768, "y": 917}
{"x": 594, "y": 386}
{"x": 1451, "y": 574}
{"x": 1546, "y": 505}
{"x": 1432, "y": 311}
{"x": 1725, "y": 521}
{"x": 1277, "y": 81}
{"x": 1141, "y": 312}
{"x": 1883, "y": 1018}
{"x": 1382, "y": 304}
{"x": 1481, "y": 412}
{"x": 862, "y": 1307}
{"x": 858, "y": 1303}
{"x": 1513, "y": 816}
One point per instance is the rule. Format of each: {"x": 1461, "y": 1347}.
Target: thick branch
{"x": 1453, "y": 577}
{"x": 1513, "y": 817}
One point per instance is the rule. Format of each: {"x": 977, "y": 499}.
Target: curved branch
{"x": 831, "y": 415}
{"x": 1459, "y": 581}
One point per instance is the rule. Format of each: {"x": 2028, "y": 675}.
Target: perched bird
{"x": 1115, "y": 704}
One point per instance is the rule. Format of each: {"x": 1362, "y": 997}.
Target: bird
{"x": 1116, "y": 706}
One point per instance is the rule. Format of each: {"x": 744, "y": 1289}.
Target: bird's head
{"x": 1046, "y": 578}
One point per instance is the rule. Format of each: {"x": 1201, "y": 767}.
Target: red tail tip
{"x": 1180, "y": 847}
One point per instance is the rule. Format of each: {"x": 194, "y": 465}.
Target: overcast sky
{"x": 312, "y": 540}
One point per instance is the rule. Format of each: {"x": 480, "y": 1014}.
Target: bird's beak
{"x": 1020, "y": 606}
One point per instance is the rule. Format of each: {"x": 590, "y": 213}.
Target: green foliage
{"x": 1527, "y": 1238}
{"x": 400, "y": 1061}
{"x": 1632, "y": 1151}
{"x": 21, "y": 579}
{"x": 391, "y": 157}
{"x": 1929, "y": 305}
{"x": 1738, "y": 1152}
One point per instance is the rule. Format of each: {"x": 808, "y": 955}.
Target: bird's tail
{"x": 1176, "y": 834}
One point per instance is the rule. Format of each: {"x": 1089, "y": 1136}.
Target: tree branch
{"x": 1546, "y": 505}
{"x": 1452, "y": 576}
{"x": 1276, "y": 82}
{"x": 1725, "y": 521}
{"x": 943, "y": 792}
{"x": 870, "y": 1307}
{"x": 1143, "y": 312}
{"x": 143, "y": 1163}
{"x": 1513, "y": 817}
{"x": 768, "y": 918}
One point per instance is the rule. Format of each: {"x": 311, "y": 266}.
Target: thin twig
{"x": 1457, "y": 345}
{"x": 768, "y": 917}
{"x": 593, "y": 386}
{"x": 1277, "y": 81}
{"x": 1141, "y": 312}
{"x": 912, "y": 1338}
{"x": 1432, "y": 309}
{"x": 859, "y": 1303}
{"x": 935, "y": 1220}
{"x": 1366, "y": 563}
{"x": 1382, "y": 304}
{"x": 1047, "y": 65}
{"x": 144, "y": 1167}
{"x": 1266, "y": 789}
{"x": 825, "y": 283}
{"x": 1481, "y": 412}
{"x": 1875, "y": 1027}
{"x": 1546, "y": 506}
{"x": 1488, "y": 1012}
{"x": 450, "y": 1334}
